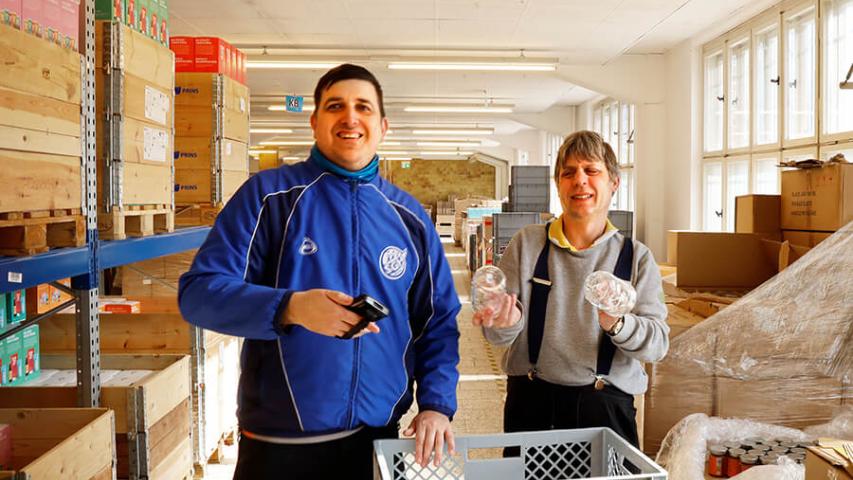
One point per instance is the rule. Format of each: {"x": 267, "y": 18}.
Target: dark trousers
{"x": 539, "y": 405}
{"x": 349, "y": 457}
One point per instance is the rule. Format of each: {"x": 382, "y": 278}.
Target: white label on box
{"x": 156, "y": 105}
{"x": 15, "y": 277}
{"x": 242, "y": 104}
{"x": 146, "y": 281}
{"x": 154, "y": 145}
{"x": 228, "y": 149}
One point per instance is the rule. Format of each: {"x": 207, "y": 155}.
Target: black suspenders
{"x": 541, "y": 287}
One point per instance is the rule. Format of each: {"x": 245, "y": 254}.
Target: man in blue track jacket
{"x": 288, "y": 252}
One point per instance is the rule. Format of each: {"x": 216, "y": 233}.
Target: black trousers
{"x": 349, "y": 457}
{"x": 539, "y": 405}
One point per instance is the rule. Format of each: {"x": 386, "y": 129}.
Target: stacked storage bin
{"x": 530, "y": 188}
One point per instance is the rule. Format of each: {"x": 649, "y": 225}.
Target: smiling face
{"x": 585, "y": 188}
{"x": 348, "y": 124}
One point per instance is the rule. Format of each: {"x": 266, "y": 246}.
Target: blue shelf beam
{"x": 24, "y": 272}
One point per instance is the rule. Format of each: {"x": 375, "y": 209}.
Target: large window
{"x": 714, "y": 102}
{"x": 766, "y": 85}
{"x": 738, "y": 94}
{"x": 776, "y": 59}
{"x": 800, "y": 74}
{"x": 614, "y": 121}
{"x": 837, "y": 34}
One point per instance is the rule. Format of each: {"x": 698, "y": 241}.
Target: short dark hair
{"x": 590, "y": 146}
{"x": 347, "y": 71}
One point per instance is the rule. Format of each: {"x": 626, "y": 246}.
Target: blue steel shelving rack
{"x": 84, "y": 264}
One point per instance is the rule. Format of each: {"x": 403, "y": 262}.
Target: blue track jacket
{"x": 301, "y": 227}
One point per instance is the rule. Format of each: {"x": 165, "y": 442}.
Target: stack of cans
{"x": 730, "y": 458}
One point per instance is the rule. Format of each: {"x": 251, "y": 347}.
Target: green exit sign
{"x": 407, "y": 164}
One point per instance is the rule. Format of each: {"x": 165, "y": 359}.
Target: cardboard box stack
{"x": 211, "y": 144}
{"x": 148, "y": 17}
{"x": 816, "y": 202}
{"x": 758, "y": 214}
{"x": 57, "y": 21}
{"x": 209, "y": 55}
{"x": 134, "y": 82}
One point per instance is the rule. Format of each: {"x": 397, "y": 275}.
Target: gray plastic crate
{"x": 623, "y": 220}
{"x": 538, "y": 207}
{"x": 526, "y": 173}
{"x": 504, "y": 225}
{"x": 549, "y": 455}
{"x": 531, "y": 189}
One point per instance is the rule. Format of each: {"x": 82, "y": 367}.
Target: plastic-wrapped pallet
{"x": 783, "y": 354}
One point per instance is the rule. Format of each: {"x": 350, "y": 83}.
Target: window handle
{"x": 775, "y": 80}
{"x": 793, "y": 84}
{"x": 721, "y": 98}
{"x": 718, "y": 213}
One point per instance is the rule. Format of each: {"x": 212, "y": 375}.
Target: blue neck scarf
{"x": 366, "y": 174}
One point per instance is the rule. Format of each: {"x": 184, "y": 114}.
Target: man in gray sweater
{"x": 570, "y": 365}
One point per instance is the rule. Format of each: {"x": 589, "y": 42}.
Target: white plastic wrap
{"x": 782, "y": 354}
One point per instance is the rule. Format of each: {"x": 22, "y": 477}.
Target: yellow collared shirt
{"x": 558, "y": 236}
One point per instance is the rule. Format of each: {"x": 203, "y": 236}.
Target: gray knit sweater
{"x": 572, "y": 333}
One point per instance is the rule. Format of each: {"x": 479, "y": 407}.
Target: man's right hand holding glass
{"x": 507, "y": 316}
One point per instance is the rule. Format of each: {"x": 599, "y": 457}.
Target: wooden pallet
{"x": 28, "y": 233}
{"x": 136, "y": 221}
{"x": 197, "y": 214}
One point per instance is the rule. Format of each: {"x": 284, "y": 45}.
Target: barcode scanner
{"x": 369, "y": 309}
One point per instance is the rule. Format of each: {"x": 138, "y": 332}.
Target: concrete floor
{"x": 482, "y": 385}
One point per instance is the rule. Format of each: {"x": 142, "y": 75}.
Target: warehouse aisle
{"x": 482, "y": 385}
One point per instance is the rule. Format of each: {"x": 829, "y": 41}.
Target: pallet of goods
{"x": 150, "y": 395}
{"x": 51, "y": 443}
{"x": 40, "y": 146}
{"x": 212, "y": 127}
{"x": 135, "y": 100}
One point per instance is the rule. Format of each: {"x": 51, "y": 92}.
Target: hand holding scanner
{"x": 369, "y": 309}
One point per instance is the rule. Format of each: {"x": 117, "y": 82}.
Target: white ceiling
{"x": 369, "y": 32}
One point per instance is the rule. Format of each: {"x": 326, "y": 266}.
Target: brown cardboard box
{"x": 711, "y": 260}
{"x": 758, "y": 214}
{"x": 792, "y": 402}
{"x": 818, "y": 198}
{"x": 804, "y": 237}
{"x": 821, "y": 468}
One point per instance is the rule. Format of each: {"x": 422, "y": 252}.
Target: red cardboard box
{"x": 184, "y": 49}
{"x": 235, "y": 69}
{"x": 10, "y": 12}
{"x": 241, "y": 67}
{"x": 132, "y": 15}
{"x": 209, "y": 55}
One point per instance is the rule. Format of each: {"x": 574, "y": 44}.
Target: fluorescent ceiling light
{"x": 291, "y": 158}
{"x": 283, "y": 64}
{"x": 475, "y": 66}
{"x": 390, "y": 144}
{"x": 283, "y": 108}
{"x": 397, "y": 158}
{"x": 438, "y": 131}
{"x": 258, "y": 152}
{"x": 449, "y": 153}
{"x": 285, "y": 143}
{"x": 448, "y": 144}
{"x": 270, "y": 130}
{"x": 393, "y": 152}
{"x": 460, "y": 109}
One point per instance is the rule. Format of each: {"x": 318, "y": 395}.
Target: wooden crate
{"x": 40, "y": 149}
{"x": 198, "y": 214}
{"x": 211, "y": 144}
{"x": 160, "y": 329}
{"x": 134, "y": 82}
{"x": 152, "y": 416}
{"x": 156, "y": 277}
{"x": 49, "y": 444}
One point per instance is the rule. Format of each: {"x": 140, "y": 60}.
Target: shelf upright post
{"x": 86, "y": 286}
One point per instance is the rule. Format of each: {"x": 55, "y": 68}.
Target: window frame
{"x": 842, "y": 136}
{"x": 770, "y": 19}
{"x": 740, "y": 34}
{"x": 713, "y": 48}
{"x": 794, "y": 9}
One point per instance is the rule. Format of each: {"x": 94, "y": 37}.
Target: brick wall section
{"x": 432, "y": 180}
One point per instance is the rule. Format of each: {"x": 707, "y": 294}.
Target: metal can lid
{"x": 718, "y": 450}
{"x": 749, "y": 459}
{"x": 756, "y": 452}
{"x": 762, "y": 448}
{"x": 769, "y": 459}
{"x": 780, "y": 450}
{"x": 731, "y": 445}
{"x": 736, "y": 452}
{"x": 798, "y": 457}
{"x": 798, "y": 451}
{"x": 754, "y": 440}
{"x": 788, "y": 445}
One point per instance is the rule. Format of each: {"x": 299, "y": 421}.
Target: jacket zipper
{"x": 356, "y": 291}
